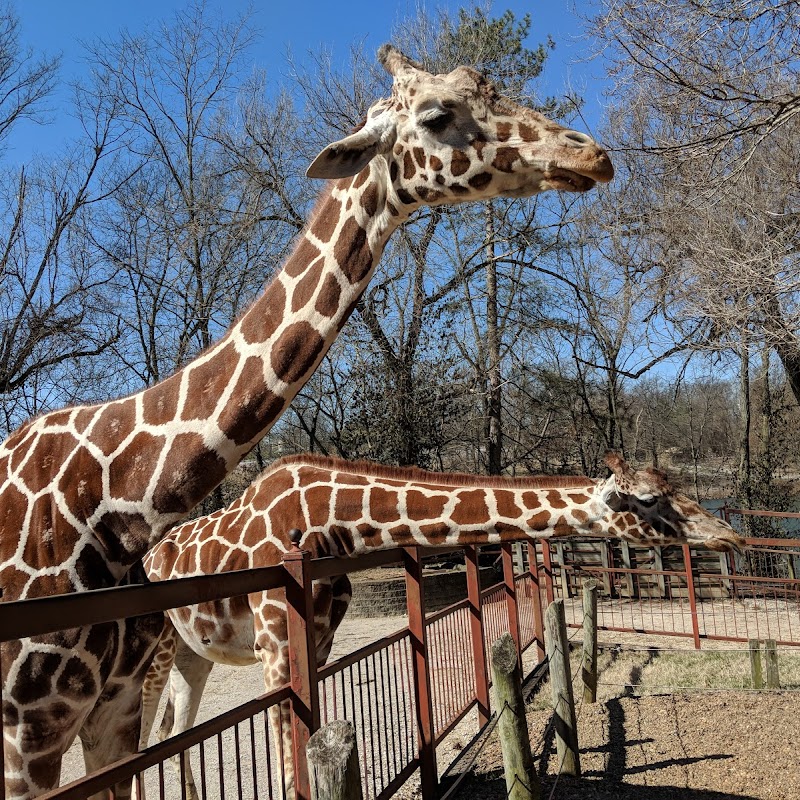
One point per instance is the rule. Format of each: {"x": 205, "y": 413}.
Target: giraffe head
{"x": 670, "y": 517}
{"x": 451, "y": 138}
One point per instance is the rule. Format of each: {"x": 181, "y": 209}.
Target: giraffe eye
{"x": 648, "y": 502}
{"x": 438, "y": 122}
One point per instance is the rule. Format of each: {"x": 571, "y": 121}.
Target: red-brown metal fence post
{"x": 302, "y": 661}
{"x": 476, "y": 630}
{"x": 687, "y": 560}
{"x": 2, "y": 739}
{"x": 538, "y": 614}
{"x": 511, "y": 596}
{"x": 547, "y": 568}
{"x": 415, "y": 601}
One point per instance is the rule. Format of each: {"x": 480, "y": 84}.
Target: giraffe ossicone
{"x": 348, "y": 509}
{"x": 87, "y": 490}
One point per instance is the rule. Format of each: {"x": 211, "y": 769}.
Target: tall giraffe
{"x": 348, "y": 509}
{"x": 85, "y": 491}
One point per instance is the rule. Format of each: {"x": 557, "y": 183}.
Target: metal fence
{"x": 406, "y": 692}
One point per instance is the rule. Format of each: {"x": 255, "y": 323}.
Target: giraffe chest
{"x": 221, "y": 632}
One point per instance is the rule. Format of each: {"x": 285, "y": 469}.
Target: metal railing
{"x": 404, "y": 693}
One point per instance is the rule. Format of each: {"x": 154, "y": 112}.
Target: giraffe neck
{"x": 347, "y": 509}
{"x": 395, "y": 507}
{"x": 195, "y": 426}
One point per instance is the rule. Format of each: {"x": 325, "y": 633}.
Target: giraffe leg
{"x": 112, "y": 729}
{"x": 342, "y": 594}
{"x": 187, "y": 680}
{"x": 156, "y": 680}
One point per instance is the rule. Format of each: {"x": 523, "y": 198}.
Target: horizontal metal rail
{"x": 23, "y": 618}
{"x": 126, "y": 768}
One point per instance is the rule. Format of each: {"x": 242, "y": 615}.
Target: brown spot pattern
{"x": 190, "y": 468}
{"x": 505, "y": 158}
{"x": 115, "y": 422}
{"x": 306, "y": 286}
{"x": 207, "y": 381}
{"x": 318, "y": 500}
{"x": 81, "y": 484}
{"x": 480, "y": 180}
{"x": 130, "y": 472}
{"x": 506, "y": 505}
{"x": 370, "y": 200}
{"x": 352, "y": 252}
{"x": 420, "y": 506}
{"x": 527, "y": 133}
{"x": 471, "y": 508}
{"x": 327, "y": 302}
{"x": 383, "y": 505}
{"x": 46, "y": 457}
{"x": 459, "y": 163}
{"x": 324, "y": 224}
{"x": 160, "y": 402}
{"x": 266, "y": 314}
{"x": 252, "y": 405}
{"x": 305, "y": 253}
{"x": 296, "y": 351}
{"x": 409, "y": 170}
{"x": 348, "y": 505}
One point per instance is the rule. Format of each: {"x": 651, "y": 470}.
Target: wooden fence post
{"x": 771, "y": 657}
{"x": 589, "y": 669}
{"x": 302, "y": 660}
{"x": 755, "y": 664}
{"x": 476, "y": 630}
{"x": 510, "y": 584}
{"x": 561, "y": 683}
{"x": 522, "y": 782}
{"x": 415, "y": 602}
{"x": 333, "y": 769}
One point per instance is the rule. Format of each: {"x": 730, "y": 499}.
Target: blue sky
{"x": 58, "y": 26}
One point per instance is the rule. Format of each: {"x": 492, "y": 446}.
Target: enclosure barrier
{"x": 404, "y": 693}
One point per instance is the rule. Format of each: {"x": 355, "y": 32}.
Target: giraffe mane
{"x": 373, "y": 469}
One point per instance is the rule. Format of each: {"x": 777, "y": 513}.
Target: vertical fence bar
{"x": 547, "y": 567}
{"x": 302, "y": 661}
{"x": 510, "y": 587}
{"x": 538, "y": 615}
{"x": 477, "y": 635}
{"x": 687, "y": 560}
{"x": 2, "y": 738}
{"x": 415, "y": 600}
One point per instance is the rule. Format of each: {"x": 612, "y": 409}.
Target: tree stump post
{"x": 333, "y": 769}
{"x": 771, "y": 657}
{"x": 522, "y": 782}
{"x": 561, "y": 683}
{"x": 589, "y": 669}
{"x": 755, "y": 664}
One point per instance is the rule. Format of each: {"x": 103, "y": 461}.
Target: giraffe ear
{"x": 350, "y": 155}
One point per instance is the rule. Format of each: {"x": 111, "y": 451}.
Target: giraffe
{"x": 86, "y": 491}
{"x": 348, "y": 509}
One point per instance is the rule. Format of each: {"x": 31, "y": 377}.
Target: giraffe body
{"x": 86, "y": 491}
{"x": 349, "y": 509}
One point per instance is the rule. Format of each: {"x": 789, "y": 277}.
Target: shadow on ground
{"x": 568, "y": 788}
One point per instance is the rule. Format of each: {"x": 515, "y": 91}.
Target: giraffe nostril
{"x": 577, "y": 139}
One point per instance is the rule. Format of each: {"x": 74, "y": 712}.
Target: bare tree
{"x": 724, "y": 76}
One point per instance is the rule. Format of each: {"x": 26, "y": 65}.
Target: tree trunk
{"x": 494, "y": 429}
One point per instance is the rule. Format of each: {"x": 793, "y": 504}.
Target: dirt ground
{"x": 695, "y": 746}
{"x": 698, "y": 746}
